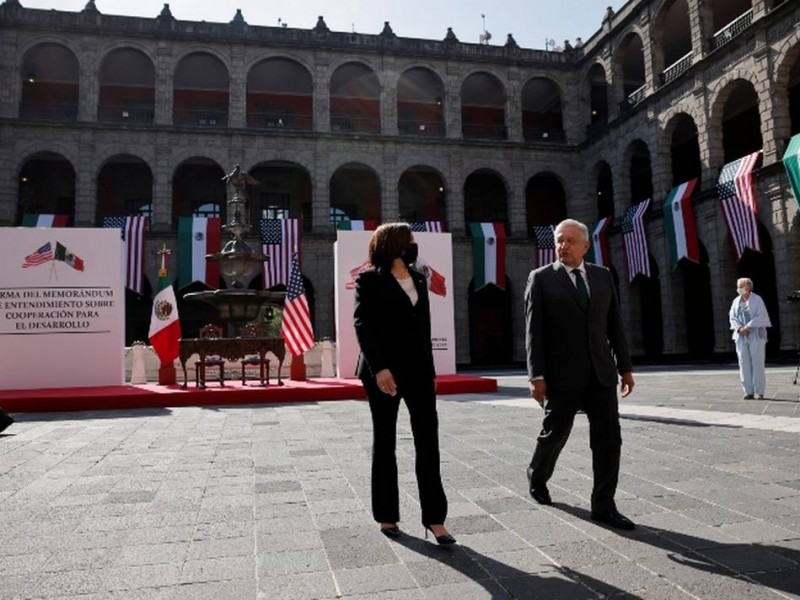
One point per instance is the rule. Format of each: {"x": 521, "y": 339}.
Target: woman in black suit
{"x": 393, "y": 327}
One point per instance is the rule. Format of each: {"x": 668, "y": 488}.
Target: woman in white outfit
{"x": 749, "y": 322}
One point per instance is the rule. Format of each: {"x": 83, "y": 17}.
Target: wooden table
{"x": 231, "y": 349}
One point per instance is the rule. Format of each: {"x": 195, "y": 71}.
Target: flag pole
{"x": 167, "y": 375}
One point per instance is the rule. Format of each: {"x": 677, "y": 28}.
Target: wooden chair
{"x": 254, "y": 330}
{"x": 209, "y": 331}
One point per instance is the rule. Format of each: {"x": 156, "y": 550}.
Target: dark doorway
{"x": 490, "y": 337}
{"x": 698, "y": 305}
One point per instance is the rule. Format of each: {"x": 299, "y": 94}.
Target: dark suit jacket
{"x": 391, "y": 332}
{"x": 565, "y": 343}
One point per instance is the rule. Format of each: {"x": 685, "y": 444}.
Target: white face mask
{"x": 741, "y": 291}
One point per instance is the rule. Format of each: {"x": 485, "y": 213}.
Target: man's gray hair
{"x": 573, "y": 223}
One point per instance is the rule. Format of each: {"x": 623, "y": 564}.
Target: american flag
{"x": 296, "y": 328}
{"x": 41, "y": 256}
{"x": 735, "y": 190}
{"x": 132, "y": 229}
{"x": 280, "y": 239}
{"x": 633, "y": 235}
{"x": 545, "y": 244}
{"x": 427, "y": 226}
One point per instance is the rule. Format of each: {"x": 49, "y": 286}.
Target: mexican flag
{"x": 358, "y": 225}
{"x": 165, "y": 328}
{"x": 65, "y": 255}
{"x": 679, "y": 224}
{"x": 42, "y": 220}
{"x": 791, "y": 162}
{"x": 598, "y": 251}
{"x": 198, "y": 236}
{"x": 488, "y": 254}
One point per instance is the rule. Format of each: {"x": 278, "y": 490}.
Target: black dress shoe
{"x": 613, "y": 518}
{"x": 5, "y": 420}
{"x": 540, "y": 494}
{"x": 391, "y": 532}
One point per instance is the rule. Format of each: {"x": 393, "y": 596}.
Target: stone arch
{"x": 786, "y": 121}
{"x": 145, "y": 155}
{"x": 681, "y": 158}
{"x": 334, "y": 66}
{"x": 46, "y": 184}
{"x": 300, "y": 59}
{"x": 69, "y": 153}
{"x": 197, "y": 49}
{"x": 361, "y": 202}
{"x": 498, "y": 168}
{"x": 719, "y": 141}
{"x": 102, "y": 53}
{"x": 485, "y": 116}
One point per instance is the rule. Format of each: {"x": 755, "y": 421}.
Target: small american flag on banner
{"x": 633, "y": 235}
{"x": 132, "y": 231}
{"x": 427, "y": 226}
{"x": 296, "y": 328}
{"x": 735, "y": 190}
{"x": 545, "y": 244}
{"x": 280, "y": 239}
{"x": 41, "y": 256}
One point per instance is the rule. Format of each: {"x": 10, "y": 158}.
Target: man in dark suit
{"x": 575, "y": 348}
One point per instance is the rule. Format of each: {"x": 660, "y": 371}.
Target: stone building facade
{"x": 103, "y": 115}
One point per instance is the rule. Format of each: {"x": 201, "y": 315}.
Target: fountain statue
{"x": 238, "y": 264}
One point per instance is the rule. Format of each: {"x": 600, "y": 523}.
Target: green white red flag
{"x": 45, "y": 220}
{"x": 165, "y": 327}
{"x": 198, "y": 236}
{"x": 680, "y": 225}
{"x": 791, "y": 161}
{"x": 488, "y": 254}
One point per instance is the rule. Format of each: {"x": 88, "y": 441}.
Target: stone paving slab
{"x": 272, "y": 502}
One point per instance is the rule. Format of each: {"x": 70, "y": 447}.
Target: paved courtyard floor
{"x": 272, "y": 502}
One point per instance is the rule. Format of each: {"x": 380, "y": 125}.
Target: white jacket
{"x": 759, "y": 319}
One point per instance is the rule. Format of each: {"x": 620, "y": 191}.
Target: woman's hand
{"x": 385, "y": 381}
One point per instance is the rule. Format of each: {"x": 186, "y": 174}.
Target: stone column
{"x": 9, "y": 185}
{"x": 320, "y": 190}
{"x": 237, "y": 90}
{"x": 164, "y": 87}
{"x": 162, "y": 186}
{"x": 452, "y": 101}
{"x": 517, "y": 221}
{"x": 455, "y": 196}
{"x": 88, "y": 84}
{"x": 513, "y": 106}
{"x": 390, "y": 195}
{"x": 86, "y": 183}
{"x": 698, "y": 16}
{"x": 11, "y": 92}
{"x": 388, "y": 81}
{"x": 322, "y": 96}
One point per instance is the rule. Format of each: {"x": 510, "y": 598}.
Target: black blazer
{"x": 391, "y": 332}
{"x": 564, "y": 343}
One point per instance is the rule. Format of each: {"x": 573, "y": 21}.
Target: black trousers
{"x": 420, "y": 399}
{"x": 605, "y": 438}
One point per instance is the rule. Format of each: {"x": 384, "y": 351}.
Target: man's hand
{"x": 385, "y": 381}
{"x": 626, "y": 387}
{"x": 538, "y": 390}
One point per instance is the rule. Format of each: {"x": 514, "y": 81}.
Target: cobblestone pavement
{"x": 272, "y": 502}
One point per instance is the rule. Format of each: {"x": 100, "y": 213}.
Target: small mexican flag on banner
{"x": 488, "y": 254}
{"x": 165, "y": 327}
{"x": 679, "y": 224}
{"x": 42, "y": 220}
{"x": 358, "y": 225}
{"x": 64, "y": 254}
{"x": 198, "y": 236}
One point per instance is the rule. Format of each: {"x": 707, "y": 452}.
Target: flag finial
{"x": 163, "y": 254}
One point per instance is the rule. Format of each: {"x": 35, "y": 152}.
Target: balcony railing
{"x": 356, "y": 124}
{"x": 200, "y": 118}
{"x": 633, "y": 98}
{"x": 673, "y": 71}
{"x": 124, "y": 114}
{"x": 422, "y": 128}
{"x": 271, "y": 120}
{"x": 484, "y": 131}
{"x": 48, "y": 112}
{"x": 537, "y": 134}
{"x": 731, "y": 30}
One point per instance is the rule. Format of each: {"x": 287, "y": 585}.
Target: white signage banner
{"x": 435, "y": 261}
{"x": 62, "y": 308}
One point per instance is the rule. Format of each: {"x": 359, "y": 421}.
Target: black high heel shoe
{"x": 442, "y": 540}
{"x": 391, "y": 532}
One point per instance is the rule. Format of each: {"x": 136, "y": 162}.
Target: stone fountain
{"x": 236, "y": 304}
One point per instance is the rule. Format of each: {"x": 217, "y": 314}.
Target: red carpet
{"x": 155, "y": 396}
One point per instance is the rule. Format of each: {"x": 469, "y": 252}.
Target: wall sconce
{"x": 441, "y": 188}
{"x": 31, "y": 78}
{"x": 438, "y": 100}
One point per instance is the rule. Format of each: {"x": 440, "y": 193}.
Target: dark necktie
{"x": 580, "y": 288}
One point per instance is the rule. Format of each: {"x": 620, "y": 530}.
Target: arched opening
{"x": 198, "y": 190}
{"x": 542, "y": 119}
{"x": 793, "y": 88}
{"x": 200, "y": 91}
{"x": 124, "y": 187}
{"x": 604, "y": 191}
{"x": 50, "y": 76}
{"x": 760, "y": 267}
{"x": 355, "y": 194}
{"x": 483, "y": 112}
{"x": 545, "y": 201}
{"x": 283, "y": 192}
{"x": 597, "y": 84}
{"x": 46, "y": 186}
{"x": 422, "y": 195}
{"x": 685, "y": 151}
{"x": 698, "y": 305}
{"x": 641, "y": 172}
{"x": 280, "y": 95}
{"x": 727, "y": 11}
{"x": 674, "y": 36}
{"x": 127, "y": 87}
{"x": 420, "y": 103}
{"x": 741, "y": 122}
{"x": 485, "y": 199}
{"x": 490, "y": 325}
{"x": 355, "y": 94}
{"x": 630, "y": 63}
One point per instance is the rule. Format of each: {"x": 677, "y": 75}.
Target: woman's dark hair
{"x": 388, "y": 242}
